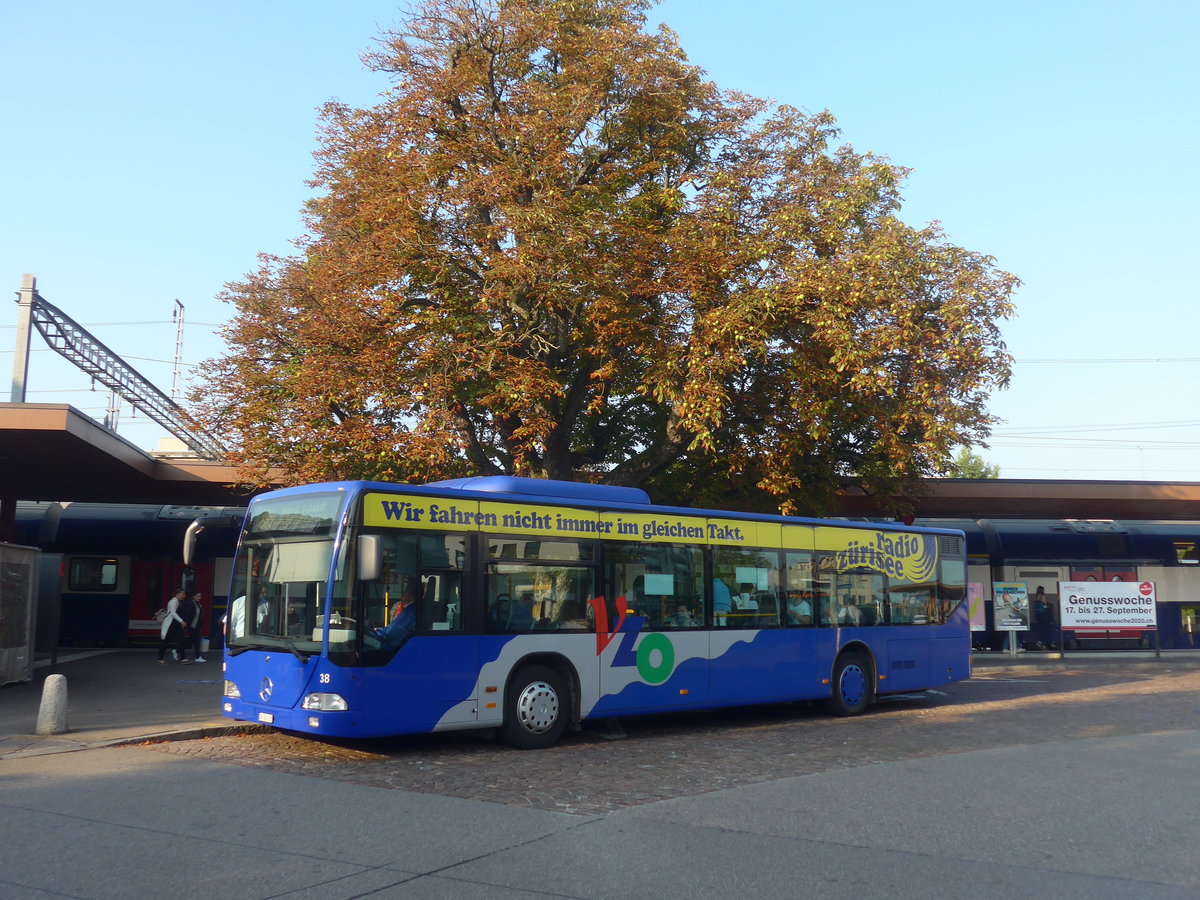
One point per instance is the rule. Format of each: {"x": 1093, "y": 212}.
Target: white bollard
{"x": 52, "y": 715}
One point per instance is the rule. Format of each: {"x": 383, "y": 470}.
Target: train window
{"x": 93, "y": 573}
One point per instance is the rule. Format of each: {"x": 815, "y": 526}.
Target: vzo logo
{"x": 654, "y": 657}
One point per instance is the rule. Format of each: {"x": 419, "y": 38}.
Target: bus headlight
{"x": 231, "y": 690}
{"x": 325, "y": 702}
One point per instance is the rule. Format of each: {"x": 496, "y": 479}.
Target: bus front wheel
{"x": 536, "y": 709}
{"x": 853, "y": 684}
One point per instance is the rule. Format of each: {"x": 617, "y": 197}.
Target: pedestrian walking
{"x": 172, "y": 631}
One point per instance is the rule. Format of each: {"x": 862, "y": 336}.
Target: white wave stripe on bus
{"x": 598, "y": 677}
{"x": 687, "y": 645}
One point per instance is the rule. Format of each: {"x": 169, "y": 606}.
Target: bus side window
{"x": 499, "y": 609}
{"x": 754, "y": 574}
{"x": 440, "y": 605}
{"x": 655, "y": 580}
{"x": 822, "y": 588}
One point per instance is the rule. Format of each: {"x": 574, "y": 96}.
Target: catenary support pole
{"x": 24, "y": 329}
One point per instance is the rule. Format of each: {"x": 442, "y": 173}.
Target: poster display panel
{"x": 1011, "y": 605}
{"x": 1108, "y": 604}
{"x": 975, "y": 599}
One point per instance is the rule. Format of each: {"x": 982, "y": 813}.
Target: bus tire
{"x": 536, "y": 709}
{"x": 853, "y": 684}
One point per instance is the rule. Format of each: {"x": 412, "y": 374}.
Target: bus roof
{"x": 541, "y": 487}
{"x": 582, "y": 494}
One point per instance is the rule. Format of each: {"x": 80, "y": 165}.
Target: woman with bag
{"x": 171, "y": 631}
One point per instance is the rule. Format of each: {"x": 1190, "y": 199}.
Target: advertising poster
{"x": 975, "y": 601}
{"x": 1108, "y": 604}
{"x": 1010, "y": 605}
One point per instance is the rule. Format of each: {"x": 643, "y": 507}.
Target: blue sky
{"x": 152, "y": 150}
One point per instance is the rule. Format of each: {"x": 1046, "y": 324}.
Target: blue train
{"x": 1042, "y": 553}
{"x": 106, "y": 568}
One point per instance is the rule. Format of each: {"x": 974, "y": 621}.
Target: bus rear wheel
{"x": 536, "y": 709}
{"x": 853, "y": 684}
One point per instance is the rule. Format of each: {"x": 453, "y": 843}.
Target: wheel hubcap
{"x": 537, "y": 707}
{"x": 854, "y": 684}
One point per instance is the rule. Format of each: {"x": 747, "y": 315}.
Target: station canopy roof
{"x": 55, "y": 452}
{"x": 1008, "y": 498}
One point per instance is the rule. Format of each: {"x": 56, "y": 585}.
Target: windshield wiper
{"x": 292, "y": 648}
{"x": 296, "y": 651}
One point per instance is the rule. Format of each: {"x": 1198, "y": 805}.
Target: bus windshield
{"x": 283, "y": 565}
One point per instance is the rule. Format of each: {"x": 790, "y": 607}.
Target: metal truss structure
{"x": 73, "y": 342}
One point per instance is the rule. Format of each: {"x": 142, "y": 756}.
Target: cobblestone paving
{"x": 640, "y": 760}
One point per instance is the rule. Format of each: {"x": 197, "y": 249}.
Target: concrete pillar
{"x": 52, "y": 714}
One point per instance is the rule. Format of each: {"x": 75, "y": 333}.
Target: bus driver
{"x": 404, "y": 620}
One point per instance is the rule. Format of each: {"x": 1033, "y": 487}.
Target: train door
{"x": 1041, "y": 585}
{"x": 153, "y": 581}
{"x": 216, "y": 596}
{"x": 149, "y": 594}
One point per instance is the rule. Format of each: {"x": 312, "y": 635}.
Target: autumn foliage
{"x": 553, "y": 248}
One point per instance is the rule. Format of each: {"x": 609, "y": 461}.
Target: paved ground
{"x": 640, "y": 760}
{"x": 113, "y": 696}
{"x": 1035, "y": 779}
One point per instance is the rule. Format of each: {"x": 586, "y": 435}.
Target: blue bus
{"x": 527, "y": 606}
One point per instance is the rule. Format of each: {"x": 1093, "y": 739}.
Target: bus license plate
{"x": 268, "y": 718}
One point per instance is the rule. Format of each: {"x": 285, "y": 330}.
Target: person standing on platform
{"x": 194, "y": 619}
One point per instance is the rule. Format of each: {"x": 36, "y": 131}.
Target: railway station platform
{"x": 114, "y": 697}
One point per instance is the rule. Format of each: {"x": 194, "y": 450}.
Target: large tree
{"x": 554, "y": 248}
{"x": 969, "y": 464}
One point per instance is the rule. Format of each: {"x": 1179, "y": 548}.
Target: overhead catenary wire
{"x": 1108, "y": 359}
{"x": 1017, "y": 431}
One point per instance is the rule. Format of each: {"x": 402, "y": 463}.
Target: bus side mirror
{"x": 370, "y": 557}
{"x": 197, "y": 526}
